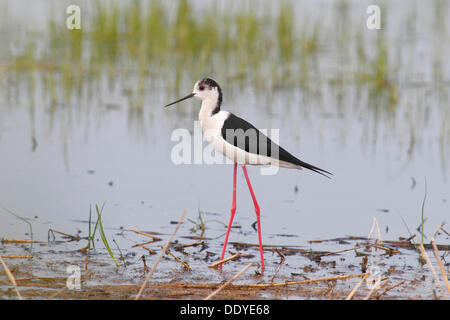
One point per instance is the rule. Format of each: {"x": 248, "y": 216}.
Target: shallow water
{"x": 105, "y": 158}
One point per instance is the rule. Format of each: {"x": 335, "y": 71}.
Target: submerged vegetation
{"x": 267, "y": 47}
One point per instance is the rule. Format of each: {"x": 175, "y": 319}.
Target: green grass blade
{"x": 90, "y": 237}
{"x": 24, "y": 220}
{"x": 422, "y": 214}
{"x": 102, "y": 234}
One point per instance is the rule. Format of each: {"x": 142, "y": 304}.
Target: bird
{"x": 241, "y": 142}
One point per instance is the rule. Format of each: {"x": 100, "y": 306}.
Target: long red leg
{"x": 257, "y": 216}
{"x": 233, "y": 211}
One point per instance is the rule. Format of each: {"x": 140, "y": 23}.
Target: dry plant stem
{"x": 11, "y": 277}
{"x": 143, "y": 244}
{"x": 229, "y": 281}
{"x": 340, "y": 251}
{"x": 440, "y": 228}
{"x": 58, "y": 292}
{"x": 441, "y": 266}
{"x": 64, "y": 234}
{"x": 181, "y": 246}
{"x": 352, "y": 293}
{"x": 160, "y": 256}
{"x": 17, "y": 257}
{"x": 6, "y": 240}
{"x": 387, "y": 250}
{"x": 179, "y": 260}
{"x": 151, "y": 251}
{"x": 329, "y": 290}
{"x": 389, "y": 288}
{"x": 425, "y": 255}
{"x": 281, "y": 263}
{"x": 146, "y": 234}
{"x": 215, "y": 264}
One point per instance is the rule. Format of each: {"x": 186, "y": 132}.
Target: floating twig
{"x": 160, "y": 256}
{"x": 6, "y": 240}
{"x": 155, "y": 238}
{"x": 196, "y": 238}
{"x": 388, "y": 289}
{"x": 84, "y": 248}
{"x": 21, "y": 218}
{"x": 179, "y": 260}
{"x": 229, "y": 281}
{"x": 440, "y": 228}
{"x": 280, "y": 264}
{"x": 194, "y": 244}
{"x": 143, "y": 244}
{"x": 340, "y": 251}
{"x": 17, "y": 257}
{"x": 11, "y": 277}
{"x": 389, "y": 251}
{"x": 215, "y": 264}
{"x": 150, "y": 251}
{"x": 412, "y": 245}
{"x": 71, "y": 237}
{"x": 447, "y": 233}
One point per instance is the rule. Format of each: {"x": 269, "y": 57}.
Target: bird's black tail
{"x": 287, "y": 157}
{"x": 325, "y": 173}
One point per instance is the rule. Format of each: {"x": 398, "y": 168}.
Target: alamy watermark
{"x": 74, "y": 279}
{"x": 373, "y": 21}
{"x": 373, "y": 279}
{"x": 261, "y": 149}
{"x": 73, "y": 21}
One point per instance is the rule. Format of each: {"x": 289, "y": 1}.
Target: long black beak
{"x": 187, "y": 97}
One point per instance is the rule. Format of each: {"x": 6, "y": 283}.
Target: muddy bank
{"x": 320, "y": 269}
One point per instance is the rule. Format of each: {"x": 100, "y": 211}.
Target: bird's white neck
{"x": 209, "y": 107}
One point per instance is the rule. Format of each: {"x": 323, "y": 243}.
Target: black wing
{"x": 246, "y": 136}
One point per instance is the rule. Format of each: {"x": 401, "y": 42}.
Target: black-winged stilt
{"x": 241, "y": 142}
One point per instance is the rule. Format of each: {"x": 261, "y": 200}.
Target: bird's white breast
{"x": 212, "y": 130}
{"x": 212, "y": 124}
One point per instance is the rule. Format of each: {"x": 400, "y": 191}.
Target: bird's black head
{"x": 207, "y": 83}
{"x": 206, "y": 89}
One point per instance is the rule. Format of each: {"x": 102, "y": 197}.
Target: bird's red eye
{"x": 201, "y": 88}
